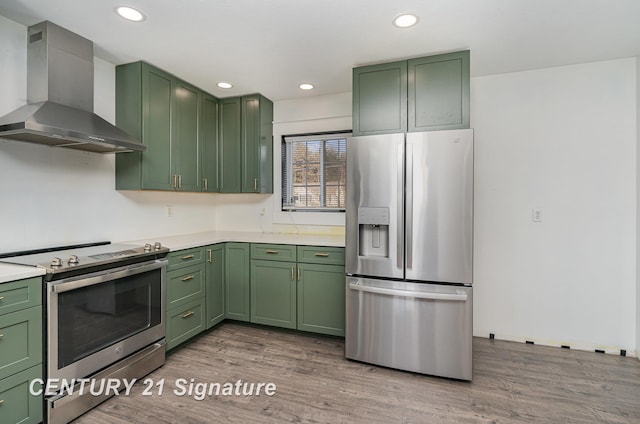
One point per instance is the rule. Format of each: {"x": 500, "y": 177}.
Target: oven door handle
{"x": 104, "y": 276}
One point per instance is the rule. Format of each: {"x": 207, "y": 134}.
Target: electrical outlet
{"x": 262, "y": 211}
{"x": 537, "y": 215}
{"x": 169, "y": 211}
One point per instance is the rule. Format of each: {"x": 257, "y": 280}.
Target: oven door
{"x": 98, "y": 319}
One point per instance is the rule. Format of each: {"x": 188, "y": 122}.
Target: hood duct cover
{"x": 59, "y": 109}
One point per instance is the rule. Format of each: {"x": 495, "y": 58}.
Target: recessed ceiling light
{"x": 130, "y": 13}
{"x": 405, "y": 21}
{"x": 224, "y": 85}
{"x": 306, "y": 86}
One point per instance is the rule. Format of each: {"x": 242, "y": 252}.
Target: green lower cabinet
{"x": 321, "y": 299}
{"x": 185, "y": 285}
{"x": 215, "y": 284}
{"x": 185, "y": 322}
{"x": 273, "y": 293}
{"x": 236, "y": 273}
{"x": 18, "y": 405}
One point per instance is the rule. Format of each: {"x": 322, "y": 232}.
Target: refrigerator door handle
{"x": 459, "y": 296}
{"x": 399, "y": 230}
{"x": 409, "y": 207}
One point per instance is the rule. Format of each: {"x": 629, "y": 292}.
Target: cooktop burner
{"x": 69, "y": 261}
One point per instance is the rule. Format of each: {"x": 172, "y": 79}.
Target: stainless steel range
{"x": 105, "y": 316}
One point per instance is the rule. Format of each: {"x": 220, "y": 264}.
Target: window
{"x": 314, "y": 172}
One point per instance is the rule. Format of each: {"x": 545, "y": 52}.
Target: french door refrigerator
{"x": 409, "y": 219}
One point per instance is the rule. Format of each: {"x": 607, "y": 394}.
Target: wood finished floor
{"x": 512, "y": 383}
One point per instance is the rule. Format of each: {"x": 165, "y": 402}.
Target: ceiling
{"x": 271, "y": 46}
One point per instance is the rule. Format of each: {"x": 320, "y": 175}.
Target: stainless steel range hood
{"x": 59, "y": 109}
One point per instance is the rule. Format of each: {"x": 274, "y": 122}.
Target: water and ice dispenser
{"x": 373, "y": 229}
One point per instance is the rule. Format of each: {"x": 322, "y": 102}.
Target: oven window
{"x": 94, "y": 317}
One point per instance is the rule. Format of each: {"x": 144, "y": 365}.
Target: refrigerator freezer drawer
{"x": 419, "y": 327}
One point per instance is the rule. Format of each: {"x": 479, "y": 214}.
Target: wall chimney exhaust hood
{"x": 59, "y": 109}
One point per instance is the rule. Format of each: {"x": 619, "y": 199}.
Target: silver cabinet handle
{"x": 175, "y": 181}
{"x": 299, "y": 272}
{"x": 1, "y": 402}
{"x": 186, "y": 257}
{"x": 180, "y": 181}
{"x": 1, "y": 336}
{"x": 273, "y": 252}
{"x": 255, "y": 184}
{"x": 1, "y": 298}
{"x": 205, "y": 183}
{"x": 187, "y": 278}
{"x": 460, "y": 297}
{"x": 292, "y": 277}
{"x": 209, "y": 255}
{"x": 187, "y": 315}
{"x": 322, "y": 255}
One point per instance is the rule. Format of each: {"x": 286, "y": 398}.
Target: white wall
{"x": 564, "y": 140}
{"x": 301, "y": 116}
{"x": 60, "y": 196}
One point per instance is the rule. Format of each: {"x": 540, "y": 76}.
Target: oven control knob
{"x": 73, "y": 260}
{"x": 56, "y": 262}
{"x": 147, "y": 247}
{"x": 157, "y": 245}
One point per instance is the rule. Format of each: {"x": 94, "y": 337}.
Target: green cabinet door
{"x": 230, "y": 145}
{"x": 273, "y": 293}
{"x": 257, "y": 144}
{"x": 380, "y": 99}
{"x": 438, "y": 92}
{"x": 321, "y": 298}
{"x": 18, "y": 405}
{"x": 215, "y": 284}
{"x": 157, "y": 92}
{"x": 209, "y": 145}
{"x": 236, "y": 271}
{"x": 185, "y": 143}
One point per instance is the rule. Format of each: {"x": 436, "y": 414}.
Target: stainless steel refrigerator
{"x": 409, "y": 251}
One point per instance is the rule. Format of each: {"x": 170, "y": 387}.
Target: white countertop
{"x": 187, "y": 241}
{"x": 9, "y": 272}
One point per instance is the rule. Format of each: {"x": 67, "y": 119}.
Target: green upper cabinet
{"x": 380, "y": 99}
{"x": 209, "y": 145}
{"x": 438, "y": 95}
{"x": 257, "y": 144}
{"x": 424, "y": 94}
{"x": 230, "y": 151}
{"x": 163, "y": 112}
{"x": 246, "y": 141}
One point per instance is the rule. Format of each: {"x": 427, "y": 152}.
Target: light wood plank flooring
{"x": 512, "y": 383}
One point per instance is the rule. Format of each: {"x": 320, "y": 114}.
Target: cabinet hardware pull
{"x": 1, "y": 336}
{"x": 210, "y": 255}
{"x": 187, "y": 278}
{"x": 1, "y": 297}
{"x": 205, "y": 182}
{"x": 255, "y": 184}
{"x": 1, "y": 402}
{"x": 292, "y": 278}
{"x": 298, "y": 273}
{"x": 273, "y": 252}
{"x": 185, "y": 257}
{"x": 187, "y": 315}
{"x": 179, "y": 180}
{"x": 175, "y": 181}
{"x": 322, "y": 255}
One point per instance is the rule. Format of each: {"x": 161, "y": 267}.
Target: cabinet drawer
{"x": 17, "y": 405}
{"x": 185, "y": 285}
{"x": 20, "y": 341}
{"x": 273, "y": 252}
{"x": 185, "y": 322}
{"x": 185, "y": 257}
{"x": 20, "y": 294}
{"x": 321, "y": 255}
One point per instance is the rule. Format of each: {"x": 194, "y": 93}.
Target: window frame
{"x": 286, "y": 171}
